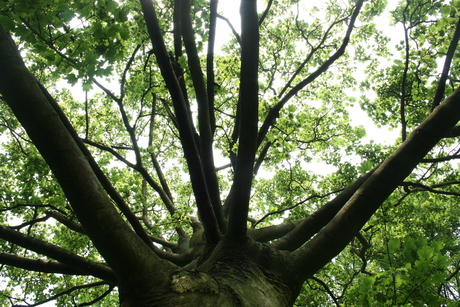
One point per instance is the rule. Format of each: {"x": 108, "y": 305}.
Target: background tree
{"x": 117, "y": 199}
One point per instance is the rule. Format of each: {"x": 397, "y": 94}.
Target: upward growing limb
{"x": 186, "y": 130}
{"x": 248, "y": 111}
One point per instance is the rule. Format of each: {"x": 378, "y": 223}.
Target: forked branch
{"x": 274, "y": 112}
{"x": 185, "y": 127}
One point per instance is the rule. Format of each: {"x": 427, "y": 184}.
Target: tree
{"x": 96, "y": 200}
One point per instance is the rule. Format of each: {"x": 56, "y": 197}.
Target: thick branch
{"x": 186, "y": 130}
{"x": 210, "y": 77}
{"x": 65, "y": 257}
{"x": 346, "y": 224}
{"x": 205, "y": 111}
{"x": 273, "y": 232}
{"x": 248, "y": 104}
{"x": 40, "y": 265}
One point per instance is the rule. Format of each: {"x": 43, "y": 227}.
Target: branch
{"x": 205, "y": 110}
{"x": 153, "y": 157}
{"x": 29, "y": 223}
{"x": 210, "y": 78}
{"x": 445, "y": 71}
{"x": 402, "y": 103}
{"x": 106, "y": 184}
{"x": 317, "y": 220}
{"x": 70, "y": 290}
{"x": 441, "y": 159}
{"x": 261, "y": 157}
{"x": 125, "y": 71}
{"x": 273, "y": 232}
{"x": 264, "y": 15}
{"x": 184, "y": 122}
{"x": 66, "y": 221}
{"x": 293, "y": 206}
{"x": 313, "y": 50}
{"x": 141, "y": 170}
{"x": 274, "y": 112}
{"x": 40, "y": 265}
{"x": 422, "y": 187}
{"x": 67, "y": 258}
{"x": 33, "y": 206}
{"x": 454, "y": 132}
{"x": 248, "y": 104}
{"x": 327, "y": 289}
{"x": 237, "y": 36}
{"x": 334, "y": 237}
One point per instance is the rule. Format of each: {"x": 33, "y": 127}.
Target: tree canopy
{"x": 149, "y": 160}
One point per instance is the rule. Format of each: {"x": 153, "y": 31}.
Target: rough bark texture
{"x": 251, "y": 274}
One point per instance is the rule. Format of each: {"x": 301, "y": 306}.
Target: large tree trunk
{"x": 252, "y": 274}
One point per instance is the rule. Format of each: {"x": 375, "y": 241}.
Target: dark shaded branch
{"x": 248, "y": 104}
{"x": 112, "y": 151}
{"x": 40, "y": 265}
{"x": 29, "y": 223}
{"x": 186, "y": 130}
{"x": 210, "y": 76}
{"x": 99, "y": 298}
{"x": 441, "y": 159}
{"x": 103, "y": 180}
{"x": 274, "y": 112}
{"x": 205, "y": 110}
{"x": 273, "y": 232}
{"x": 454, "y": 132}
{"x": 403, "y": 96}
{"x": 312, "y": 52}
{"x": 85, "y": 266}
{"x": 317, "y": 220}
{"x": 140, "y": 169}
{"x": 293, "y": 206}
{"x": 125, "y": 71}
{"x": 328, "y": 290}
{"x": 153, "y": 157}
{"x": 261, "y": 157}
{"x": 265, "y": 13}
{"x": 68, "y": 291}
{"x": 361, "y": 253}
{"x": 33, "y": 206}
{"x": 422, "y": 187}
{"x": 66, "y": 221}
{"x": 237, "y": 36}
{"x": 438, "y": 97}
{"x": 334, "y": 237}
